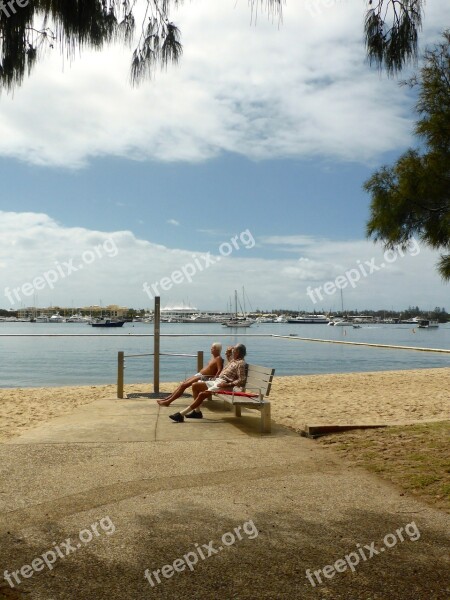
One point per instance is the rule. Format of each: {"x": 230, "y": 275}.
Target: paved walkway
{"x": 149, "y": 492}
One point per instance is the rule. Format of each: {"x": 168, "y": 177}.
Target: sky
{"x": 241, "y": 166}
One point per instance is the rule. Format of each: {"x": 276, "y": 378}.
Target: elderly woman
{"x": 232, "y": 376}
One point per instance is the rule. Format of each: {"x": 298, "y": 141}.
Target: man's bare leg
{"x": 198, "y": 387}
{"x": 178, "y": 392}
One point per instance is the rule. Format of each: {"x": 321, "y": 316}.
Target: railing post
{"x": 120, "y": 368}
{"x": 156, "y": 343}
{"x": 199, "y": 361}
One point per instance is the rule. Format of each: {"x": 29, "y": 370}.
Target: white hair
{"x": 217, "y": 346}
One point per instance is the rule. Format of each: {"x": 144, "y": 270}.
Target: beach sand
{"x": 387, "y": 397}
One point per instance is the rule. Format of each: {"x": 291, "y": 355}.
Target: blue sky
{"x": 265, "y": 129}
{"x": 276, "y": 197}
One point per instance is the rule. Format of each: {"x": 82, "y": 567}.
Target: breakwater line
{"x": 369, "y": 344}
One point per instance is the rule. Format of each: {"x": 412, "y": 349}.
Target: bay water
{"x": 36, "y": 355}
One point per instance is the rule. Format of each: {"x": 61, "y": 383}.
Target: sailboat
{"x": 342, "y": 322}
{"x": 237, "y": 321}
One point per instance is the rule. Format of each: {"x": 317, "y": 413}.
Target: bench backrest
{"x": 259, "y": 377}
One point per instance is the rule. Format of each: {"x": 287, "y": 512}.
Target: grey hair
{"x": 217, "y": 346}
{"x": 241, "y": 349}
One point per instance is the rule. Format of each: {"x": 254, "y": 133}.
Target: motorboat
{"x": 56, "y": 318}
{"x": 343, "y": 323}
{"x": 199, "y": 318}
{"x": 281, "y": 319}
{"x": 107, "y": 323}
{"x": 413, "y": 321}
{"x": 42, "y": 318}
{"x": 78, "y": 318}
{"x": 310, "y": 319}
{"x": 428, "y": 324}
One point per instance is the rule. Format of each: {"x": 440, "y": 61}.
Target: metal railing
{"x": 121, "y": 356}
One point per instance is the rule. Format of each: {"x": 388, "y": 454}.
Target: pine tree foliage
{"x": 412, "y": 197}
{"x": 392, "y": 32}
{"x": 29, "y": 27}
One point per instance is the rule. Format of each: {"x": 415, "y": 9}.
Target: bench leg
{"x": 265, "y": 418}
{"x": 237, "y": 410}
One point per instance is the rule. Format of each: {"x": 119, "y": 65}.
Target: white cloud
{"x": 301, "y": 89}
{"x": 33, "y": 244}
{"x": 174, "y": 222}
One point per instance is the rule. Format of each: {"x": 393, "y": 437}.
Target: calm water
{"x": 53, "y": 361}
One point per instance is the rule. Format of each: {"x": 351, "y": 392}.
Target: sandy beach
{"x": 388, "y": 397}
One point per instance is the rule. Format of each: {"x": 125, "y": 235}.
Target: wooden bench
{"x": 257, "y": 388}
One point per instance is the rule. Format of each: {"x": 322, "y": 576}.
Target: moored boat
{"x": 310, "y": 319}
{"x": 78, "y": 318}
{"x": 237, "y": 321}
{"x": 428, "y": 324}
{"x": 56, "y": 318}
{"x": 41, "y": 319}
{"x": 107, "y": 323}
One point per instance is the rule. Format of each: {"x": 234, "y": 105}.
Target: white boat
{"x": 310, "y": 319}
{"x": 428, "y": 324}
{"x": 56, "y": 318}
{"x": 78, "y": 318}
{"x": 42, "y": 318}
{"x": 237, "y": 321}
{"x": 175, "y": 314}
{"x": 281, "y": 319}
{"x": 199, "y": 318}
{"x": 413, "y": 321}
{"x": 343, "y": 323}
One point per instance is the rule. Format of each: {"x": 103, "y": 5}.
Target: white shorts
{"x": 202, "y": 377}
{"x": 213, "y": 387}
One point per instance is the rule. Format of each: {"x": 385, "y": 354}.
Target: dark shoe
{"x": 195, "y": 415}
{"x": 177, "y": 417}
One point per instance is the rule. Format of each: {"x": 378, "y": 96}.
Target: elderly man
{"x": 232, "y": 376}
{"x": 211, "y": 370}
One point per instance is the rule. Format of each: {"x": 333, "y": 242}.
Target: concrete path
{"x": 91, "y": 500}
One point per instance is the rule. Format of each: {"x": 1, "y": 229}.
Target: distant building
{"x": 113, "y": 310}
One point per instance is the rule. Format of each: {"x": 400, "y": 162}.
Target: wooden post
{"x": 120, "y": 368}
{"x": 199, "y": 361}
{"x": 156, "y": 343}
